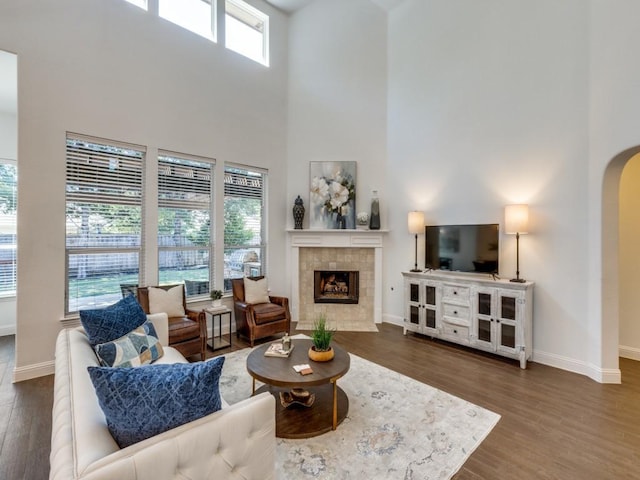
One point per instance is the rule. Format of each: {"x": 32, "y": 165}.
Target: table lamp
{"x": 516, "y": 221}
{"x": 416, "y": 226}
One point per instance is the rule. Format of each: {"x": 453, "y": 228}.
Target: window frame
{"x": 11, "y": 293}
{"x": 211, "y": 211}
{"x": 243, "y": 11}
{"x": 212, "y": 33}
{"x": 92, "y": 250}
{"x": 263, "y": 245}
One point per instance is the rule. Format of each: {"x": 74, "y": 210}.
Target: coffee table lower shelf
{"x": 298, "y": 421}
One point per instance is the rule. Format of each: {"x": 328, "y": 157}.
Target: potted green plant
{"x": 216, "y": 296}
{"x": 321, "y": 337}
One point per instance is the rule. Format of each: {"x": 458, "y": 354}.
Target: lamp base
{"x": 518, "y": 280}
{"x": 415, "y": 270}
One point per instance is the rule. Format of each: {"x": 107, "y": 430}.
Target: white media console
{"x": 475, "y": 310}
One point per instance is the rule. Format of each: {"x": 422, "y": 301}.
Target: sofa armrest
{"x": 236, "y": 442}
{"x": 160, "y": 322}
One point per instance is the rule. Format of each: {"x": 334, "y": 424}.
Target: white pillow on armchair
{"x": 167, "y": 301}
{"x": 256, "y": 291}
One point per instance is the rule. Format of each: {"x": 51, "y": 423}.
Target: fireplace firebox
{"x": 335, "y": 286}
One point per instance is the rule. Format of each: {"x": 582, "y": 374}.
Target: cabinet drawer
{"x": 458, "y": 293}
{"x": 461, "y": 312}
{"x": 458, "y": 332}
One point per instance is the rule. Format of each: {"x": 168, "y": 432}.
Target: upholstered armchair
{"x": 259, "y": 316}
{"x": 187, "y": 328}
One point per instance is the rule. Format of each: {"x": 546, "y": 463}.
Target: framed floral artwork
{"x": 332, "y": 195}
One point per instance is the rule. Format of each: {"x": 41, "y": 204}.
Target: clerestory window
{"x": 247, "y": 31}
{"x": 198, "y": 16}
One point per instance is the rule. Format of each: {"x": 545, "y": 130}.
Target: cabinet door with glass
{"x": 422, "y": 307}
{"x": 509, "y": 332}
{"x": 484, "y": 306}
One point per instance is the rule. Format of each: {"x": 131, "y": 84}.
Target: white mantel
{"x": 336, "y": 239}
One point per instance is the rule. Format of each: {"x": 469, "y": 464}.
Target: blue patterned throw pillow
{"x": 139, "y": 403}
{"x": 136, "y": 348}
{"x": 106, "y": 324}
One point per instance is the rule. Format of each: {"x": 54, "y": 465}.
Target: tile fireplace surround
{"x": 359, "y": 250}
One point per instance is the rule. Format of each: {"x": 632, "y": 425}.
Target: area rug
{"x": 344, "y": 326}
{"x": 396, "y": 428}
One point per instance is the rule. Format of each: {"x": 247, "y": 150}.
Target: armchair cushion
{"x": 169, "y": 301}
{"x": 139, "y": 347}
{"x": 255, "y": 291}
{"x": 183, "y": 328}
{"x": 106, "y": 324}
{"x": 267, "y": 312}
{"x": 139, "y": 403}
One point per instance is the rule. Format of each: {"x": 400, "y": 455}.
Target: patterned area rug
{"x": 396, "y": 428}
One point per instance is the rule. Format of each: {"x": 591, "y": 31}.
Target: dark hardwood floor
{"x": 554, "y": 425}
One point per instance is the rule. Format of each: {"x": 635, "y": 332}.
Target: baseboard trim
{"x": 600, "y": 375}
{"x": 393, "y": 319}
{"x": 631, "y": 353}
{"x": 20, "y": 374}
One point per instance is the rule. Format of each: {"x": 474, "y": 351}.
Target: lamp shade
{"x": 416, "y": 222}
{"x": 516, "y": 219}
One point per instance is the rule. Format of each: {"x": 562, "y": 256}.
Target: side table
{"x": 217, "y": 342}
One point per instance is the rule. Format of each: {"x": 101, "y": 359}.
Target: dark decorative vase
{"x": 374, "y": 218}
{"x": 298, "y": 213}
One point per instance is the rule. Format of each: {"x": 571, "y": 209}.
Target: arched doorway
{"x": 610, "y": 255}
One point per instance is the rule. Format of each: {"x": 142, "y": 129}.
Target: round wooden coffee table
{"x": 297, "y": 420}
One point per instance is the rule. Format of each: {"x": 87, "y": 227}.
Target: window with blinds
{"x": 104, "y": 219}
{"x": 185, "y": 250}
{"x": 8, "y": 212}
{"x": 244, "y": 223}
{"x": 247, "y": 31}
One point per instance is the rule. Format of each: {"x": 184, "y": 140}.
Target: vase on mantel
{"x": 341, "y": 220}
{"x": 298, "y": 213}
{"x": 374, "y": 217}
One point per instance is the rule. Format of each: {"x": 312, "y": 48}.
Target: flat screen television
{"x": 463, "y": 248}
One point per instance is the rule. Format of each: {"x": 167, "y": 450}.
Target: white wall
{"x": 629, "y": 260}
{"x": 8, "y": 151}
{"x": 487, "y": 105}
{"x": 111, "y": 70}
{"x": 486, "y": 110}
{"x": 614, "y": 104}
{"x": 455, "y": 107}
{"x": 337, "y": 96}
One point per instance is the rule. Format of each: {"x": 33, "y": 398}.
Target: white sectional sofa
{"x": 236, "y": 442}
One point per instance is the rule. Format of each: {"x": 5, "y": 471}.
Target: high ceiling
{"x": 289, "y": 6}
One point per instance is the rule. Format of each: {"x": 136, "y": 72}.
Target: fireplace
{"x": 335, "y": 286}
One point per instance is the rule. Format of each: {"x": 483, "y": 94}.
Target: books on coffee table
{"x": 276, "y": 350}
